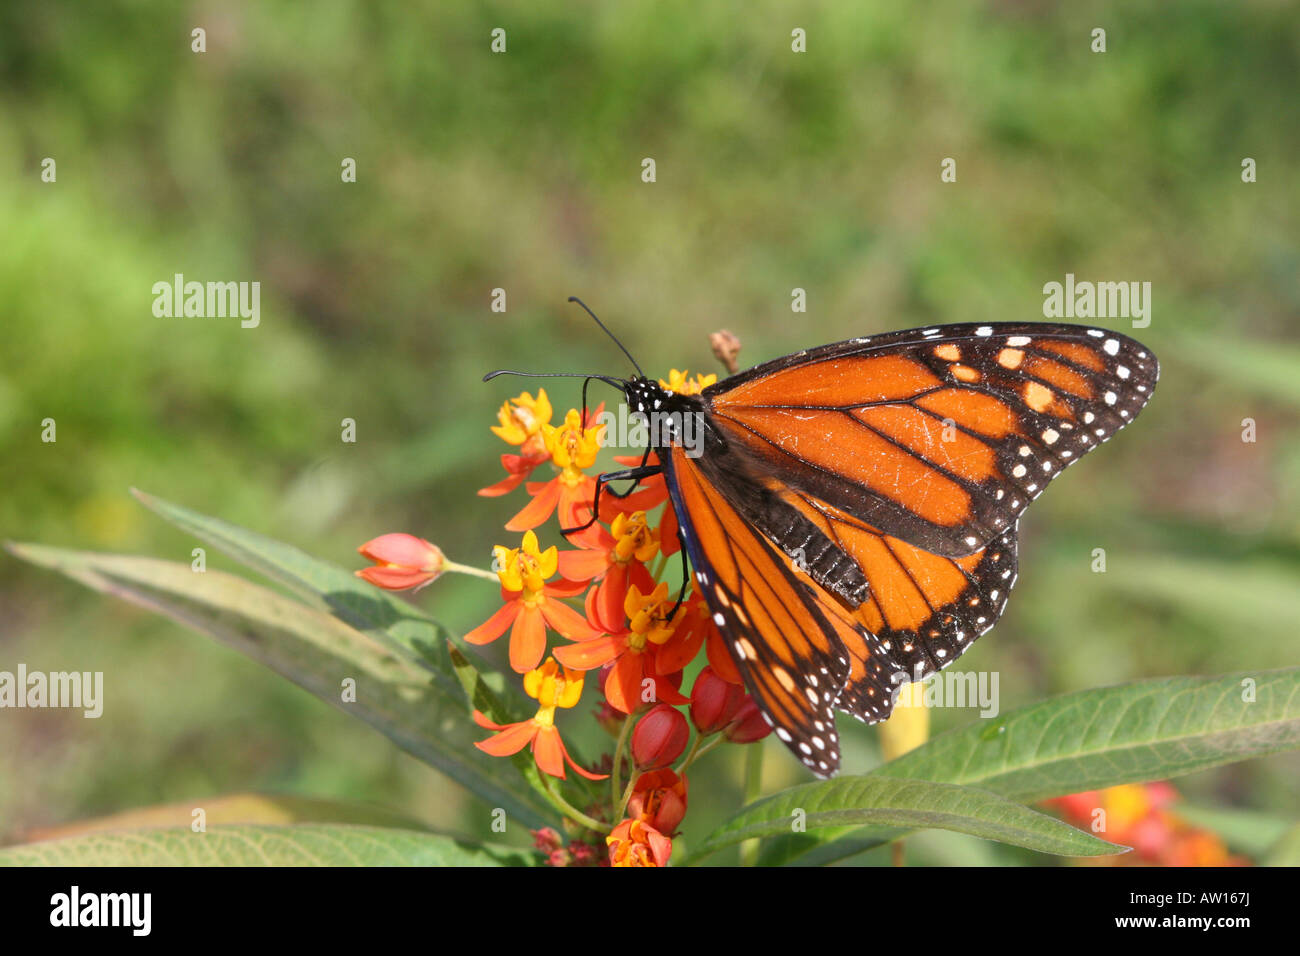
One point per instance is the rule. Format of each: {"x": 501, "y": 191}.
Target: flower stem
{"x": 696, "y": 751}
{"x": 569, "y": 809}
{"x": 617, "y": 771}
{"x": 472, "y": 571}
{"x": 753, "y": 784}
{"x": 627, "y": 795}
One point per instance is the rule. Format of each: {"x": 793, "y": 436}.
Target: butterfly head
{"x": 645, "y": 396}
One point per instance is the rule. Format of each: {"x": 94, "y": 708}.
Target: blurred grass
{"x": 522, "y": 171}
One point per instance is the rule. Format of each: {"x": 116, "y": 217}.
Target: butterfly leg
{"x": 615, "y": 476}
{"x": 686, "y": 574}
{"x": 629, "y": 474}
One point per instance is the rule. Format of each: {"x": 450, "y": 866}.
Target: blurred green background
{"x": 775, "y": 170}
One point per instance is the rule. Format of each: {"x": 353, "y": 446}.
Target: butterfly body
{"x": 850, "y": 511}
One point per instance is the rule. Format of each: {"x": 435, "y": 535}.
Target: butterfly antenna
{"x": 608, "y": 380}
{"x": 574, "y": 298}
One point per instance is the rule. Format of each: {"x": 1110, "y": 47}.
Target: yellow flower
{"x": 525, "y": 567}
{"x": 681, "y": 384}
{"x": 553, "y": 688}
{"x": 571, "y": 446}
{"x": 647, "y": 616}
{"x": 634, "y": 538}
{"x": 523, "y": 418}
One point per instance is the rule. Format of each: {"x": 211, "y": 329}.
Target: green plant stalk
{"x": 616, "y": 771}
{"x": 753, "y": 785}
{"x": 568, "y": 809}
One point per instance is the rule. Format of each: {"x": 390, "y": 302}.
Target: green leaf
{"x": 910, "y": 804}
{"x": 259, "y": 808}
{"x": 322, "y": 585}
{"x": 828, "y": 845}
{"x": 1132, "y": 733}
{"x": 1147, "y": 730}
{"x": 316, "y": 651}
{"x": 304, "y": 844}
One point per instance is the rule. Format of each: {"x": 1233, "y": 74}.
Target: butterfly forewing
{"x": 940, "y": 437}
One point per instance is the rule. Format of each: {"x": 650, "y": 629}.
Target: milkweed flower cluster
{"x": 1142, "y": 816}
{"x": 604, "y": 611}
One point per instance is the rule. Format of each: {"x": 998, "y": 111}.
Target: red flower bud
{"x": 401, "y": 561}
{"x": 748, "y": 725}
{"x": 659, "y": 800}
{"x": 659, "y": 738}
{"x": 714, "y": 702}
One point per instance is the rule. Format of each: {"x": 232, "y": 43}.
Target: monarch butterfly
{"x": 850, "y": 511}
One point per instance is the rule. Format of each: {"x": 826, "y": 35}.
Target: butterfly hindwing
{"x": 940, "y": 437}
{"x": 788, "y": 653}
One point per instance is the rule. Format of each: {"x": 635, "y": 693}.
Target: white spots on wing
{"x": 1096, "y": 333}
{"x": 1122, "y": 371}
{"x": 1088, "y": 418}
{"x": 1019, "y": 471}
{"x": 984, "y": 330}
{"x": 1110, "y": 398}
{"x": 1111, "y": 347}
{"x": 1019, "y": 340}
{"x": 719, "y": 620}
{"x": 1050, "y": 436}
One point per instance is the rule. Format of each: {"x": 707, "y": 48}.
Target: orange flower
{"x": 632, "y": 652}
{"x": 692, "y": 627}
{"x": 615, "y": 559}
{"x": 635, "y": 843}
{"x": 518, "y": 468}
{"x": 531, "y": 605}
{"x": 1138, "y": 815}
{"x": 551, "y": 688}
{"x": 402, "y": 561}
{"x": 572, "y": 449}
{"x": 659, "y": 800}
